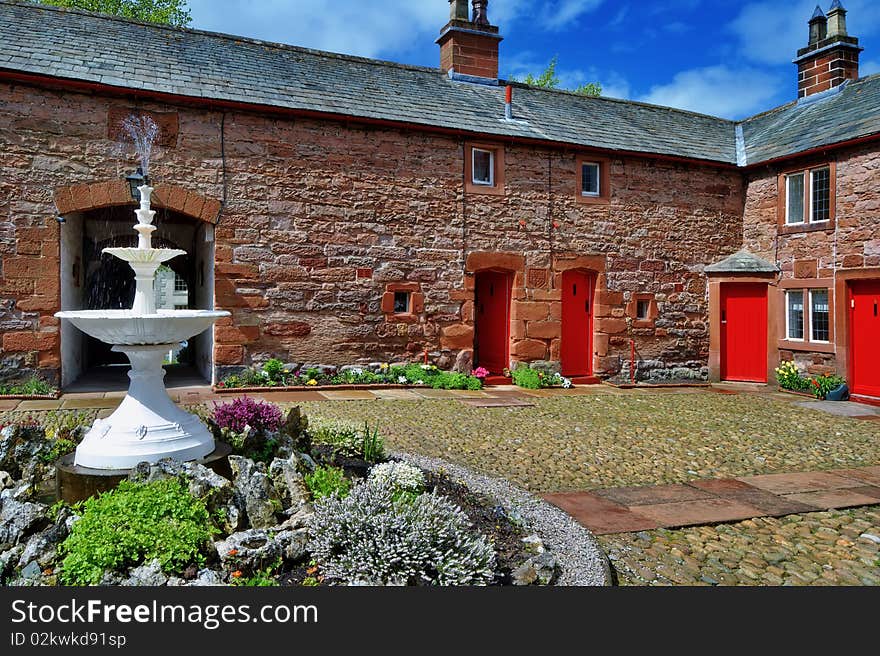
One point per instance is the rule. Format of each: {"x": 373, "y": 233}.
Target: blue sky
{"x": 724, "y": 58}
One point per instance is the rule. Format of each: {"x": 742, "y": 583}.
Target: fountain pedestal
{"x": 148, "y": 425}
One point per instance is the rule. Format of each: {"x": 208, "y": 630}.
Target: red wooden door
{"x": 744, "y": 332}
{"x": 865, "y": 337}
{"x": 492, "y": 304}
{"x": 576, "y": 350}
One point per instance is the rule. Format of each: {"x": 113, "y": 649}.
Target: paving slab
{"x": 348, "y": 395}
{"x": 9, "y": 404}
{"x": 39, "y": 405}
{"x": 653, "y": 494}
{"x": 705, "y": 511}
{"x": 870, "y": 475}
{"x": 770, "y": 504}
{"x": 800, "y": 482}
{"x": 285, "y": 397}
{"x": 395, "y": 395}
{"x": 826, "y": 499}
{"x": 86, "y": 404}
{"x": 434, "y": 393}
{"x": 600, "y": 515}
{"x": 469, "y": 394}
{"x": 841, "y": 408}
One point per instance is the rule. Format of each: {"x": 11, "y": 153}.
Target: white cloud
{"x": 718, "y": 91}
{"x": 373, "y": 28}
{"x": 771, "y": 32}
{"x": 562, "y": 14}
{"x": 614, "y": 85}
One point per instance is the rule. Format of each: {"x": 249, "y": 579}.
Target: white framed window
{"x": 591, "y": 184}
{"x": 483, "y": 167}
{"x": 794, "y": 198}
{"x": 794, "y": 315}
{"x": 820, "y": 325}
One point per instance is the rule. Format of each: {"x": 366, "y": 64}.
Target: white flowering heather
{"x": 370, "y": 537}
{"x": 399, "y": 475}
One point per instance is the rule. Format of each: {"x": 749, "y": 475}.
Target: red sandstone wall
{"x": 322, "y": 217}
{"x": 842, "y": 251}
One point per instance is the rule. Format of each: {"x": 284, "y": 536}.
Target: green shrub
{"x": 524, "y": 376}
{"x": 350, "y": 441}
{"x": 134, "y": 524}
{"x": 789, "y": 377}
{"x": 274, "y": 369}
{"x": 31, "y": 387}
{"x": 327, "y": 481}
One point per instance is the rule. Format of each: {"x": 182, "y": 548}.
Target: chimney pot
{"x": 458, "y": 10}
{"x": 818, "y": 26}
{"x": 837, "y": 20}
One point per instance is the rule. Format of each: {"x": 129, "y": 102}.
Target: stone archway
{"x": 101, "y": 213}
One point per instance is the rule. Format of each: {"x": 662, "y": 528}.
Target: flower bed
{"x": 32, "y": 389}
{"x": 276, "y": 375}
{"x": 531, "y": 377}
{"x": 319, "y": 504}
{"x": 789, "y": 378}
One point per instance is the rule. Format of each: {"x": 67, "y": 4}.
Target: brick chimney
{"x": 832, "y": 56}
{"x": 469, "y": 46}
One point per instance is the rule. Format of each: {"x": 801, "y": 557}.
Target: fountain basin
{"x": 125, "y": 328}
{"x": 144, "y": 255}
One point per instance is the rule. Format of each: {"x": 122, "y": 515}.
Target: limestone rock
{"x": 248, "y": 551}
{"x": 9, "y": 559}
{"x": 206, "y": 577}
{"x": 21, "y": 448}
{"x": 295, "y": 428}
{"x": 288, "y": 482}
{"x": 150, "y": 574}
{"x": 6, "y": 480}
{"x": 19, "y": 520}
{"x": 300, "y": 519}
{"x": 254, "y": 492}
{"x": 537, "y": 570}
{"x": 293, "y": 543}
{"x": 42, "y": 547}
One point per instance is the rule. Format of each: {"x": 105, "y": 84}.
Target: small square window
{"x": 590, "y": 182}
{"x": 819, "y": 320}
{"x": 794, "y": 301}
{"x": 483, "y": 167}
{"x": 402, "y": 302}
{"x": 794, "y": 212}
{"x": 179, "y": 283}
{"x": 643, "y": 308}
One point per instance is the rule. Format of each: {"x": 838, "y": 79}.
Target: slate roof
{"x": 81, "y": 46}
{"x": 742, "y": 262}
{"x": 847, "y": 112}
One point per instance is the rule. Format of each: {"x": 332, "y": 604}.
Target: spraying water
{"x": 143, "y": 132}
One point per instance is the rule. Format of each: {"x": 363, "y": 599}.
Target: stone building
{"x": 350, "y": 210}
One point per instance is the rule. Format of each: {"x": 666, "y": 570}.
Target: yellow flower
{"x": 312, "y": 382}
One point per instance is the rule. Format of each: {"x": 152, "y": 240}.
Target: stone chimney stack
{"x": 832, "y": 56}
{"x": 469, "y": 46}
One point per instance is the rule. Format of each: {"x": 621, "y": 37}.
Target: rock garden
{"x": 301, "y": 503}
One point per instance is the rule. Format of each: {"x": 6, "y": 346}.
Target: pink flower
{"x": 480, "y": 372}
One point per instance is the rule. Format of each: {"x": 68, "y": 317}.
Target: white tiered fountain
{"x": 147, "y": 426}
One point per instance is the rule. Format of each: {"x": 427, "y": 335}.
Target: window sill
{"x": 797, "y": 228}
{"x": 402, "y": 318}
{"x": 806, "y": 347}
{"x": 484, "y": 190}
{"x": 593, "y": 200}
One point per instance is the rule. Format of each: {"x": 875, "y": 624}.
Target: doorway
{"x": 744, "y": 332}
{"x": 91, "y": 280}
{"x": 864, "y": 336}
{"x": 492, "y": 296}
{"x": 576, "y": 349}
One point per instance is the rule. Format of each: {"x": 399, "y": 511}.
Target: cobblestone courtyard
{"x": 601, "y": 440}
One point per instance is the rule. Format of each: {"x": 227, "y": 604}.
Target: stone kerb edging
{"x": 581, "y": 558}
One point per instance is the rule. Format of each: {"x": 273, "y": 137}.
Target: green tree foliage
{"x": 170, "y": 12}
{"x": 550, "y": 80}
